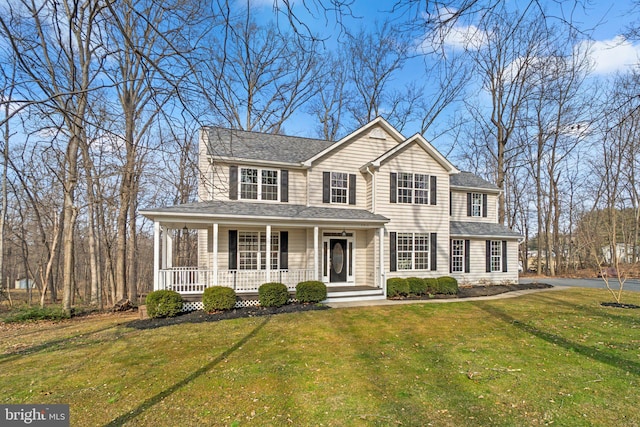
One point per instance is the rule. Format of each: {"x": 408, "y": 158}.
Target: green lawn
{"x": 550, "y": 357}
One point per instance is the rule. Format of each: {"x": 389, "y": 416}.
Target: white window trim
{"x": 259, "y": 259}
{"x": 496, "y": 258}
{"x": 461, "y": 257}
{"x": 331, "y": 188}
{"x": 476, "y": 197}
{"x": 259, "y": 183}
{"x": 413, "y": 189}
{"x": 413, "y": 252}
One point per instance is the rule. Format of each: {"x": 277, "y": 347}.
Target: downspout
{"x": 382, "y": 274}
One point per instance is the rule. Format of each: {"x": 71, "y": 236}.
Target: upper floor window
{"x": 339, "y": 187}
{"x": 258, "y": 184}
{"x": 414, "y": 188}
{"x": 477, "y": 204}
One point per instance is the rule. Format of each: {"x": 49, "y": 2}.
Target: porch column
{"x": 383, "y": 285}
{"x": 156, "y": 254}
{"x": 163, "y": 257}
{"x": 316, "y": 263}
{"x": 169, "y": 249}
{"x": 268, "y": 254}
{"x": 215, "y": 254}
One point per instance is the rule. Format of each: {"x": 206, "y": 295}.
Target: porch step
{"x": 355, "y": 295}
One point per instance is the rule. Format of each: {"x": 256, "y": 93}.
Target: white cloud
{"x": 609, "y": 56}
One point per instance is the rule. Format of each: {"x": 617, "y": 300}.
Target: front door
{"x": 338, "y": 260}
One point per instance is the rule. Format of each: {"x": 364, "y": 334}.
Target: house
{"x": 351, "y": 213}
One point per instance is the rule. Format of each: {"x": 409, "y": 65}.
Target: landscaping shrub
{"x": 216, "y": 298}
{"x": 27, "y": 314}
{"x": 417, "y": 286}
{"x": 396, "y": 287}
{"x": 311, "y": 291}
{"x": 447, "y": 285}
{"x": 431, "y": 284}
{"x": 163, "y": 303}
{"x": 273, "y": 294}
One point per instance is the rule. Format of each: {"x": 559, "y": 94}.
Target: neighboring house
{"x": 24, "y": 283}
{"x": 624, "y": 253}
{"x": 350, "y": 213}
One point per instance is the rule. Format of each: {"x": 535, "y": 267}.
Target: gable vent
{"x": 378, "y": 133}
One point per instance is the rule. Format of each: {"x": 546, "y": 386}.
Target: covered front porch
{"x": 243, "y": 253}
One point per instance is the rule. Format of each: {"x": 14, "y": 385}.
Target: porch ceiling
{"x": 226, "y": 212}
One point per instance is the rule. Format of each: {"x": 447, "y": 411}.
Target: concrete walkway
{"x": 380, "y": 302}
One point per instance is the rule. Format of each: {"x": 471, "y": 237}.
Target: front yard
{"x": 551, "y": 357}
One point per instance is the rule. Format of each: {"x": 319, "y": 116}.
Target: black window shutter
{"x": 392, "y": 251}
{"x": 284, "y": 250}
{"x": 233, "y": 183}
{"x": 450, "y": 204}
{"x": 393, "y": 191}
{"x": 488, "y": 256}
{"x": 468, "y": 204}
{"x": 504, "y": 256}
{"x": 233, "y": 249}
{"x": 433, "y": 248}
{"x": 451, "y": 256}
{"x": 352, "y": 189}
{"x": 326, "y": 187}
{"x": 284, "y": 185}
{"x": 467, "y": 256}
{"x": 484, "y": 205}
{"x": 433, "y": 188}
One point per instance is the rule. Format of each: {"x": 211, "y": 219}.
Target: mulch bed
{"x": 200, "y": 316}
{"x": 618, "y": 305}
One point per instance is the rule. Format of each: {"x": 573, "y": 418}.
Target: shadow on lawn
{"x": 195, "y": 374}
{"x": 592, "y": 353}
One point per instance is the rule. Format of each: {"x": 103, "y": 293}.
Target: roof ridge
{"x": 267, "y": 133}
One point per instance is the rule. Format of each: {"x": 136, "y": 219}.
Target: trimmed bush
{"x": 311, "y": 291}
{"x": 273, "y": 294}
{"x": 417, "y": 286}
{"x": 431, "y": 284}
{"x": 163, "y": 303}
{"x": 447, "y": 285}
{"x": 217, "y": 298}
{"x": 397, "y": 287}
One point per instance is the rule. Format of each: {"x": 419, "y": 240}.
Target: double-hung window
{"x": 457, "y": 255}
{"x": 258, "y": 184}
{"x": 252, "y": 250}
{"x": 413, "y": 188}
{"x": 476, "y": 204}
{"x": 339, "y": 187}
{"x": 495, "y": 248}
{"x": 412, "y": 251}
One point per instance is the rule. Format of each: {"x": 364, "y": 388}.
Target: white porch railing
{"x": 191, "y": 280}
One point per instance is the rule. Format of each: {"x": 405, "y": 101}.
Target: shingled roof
{"x": 239, "y": 144}
{"x": 481, "y": 229}
{"x": 244, "y": 210}
{"x": 470, "y": 180}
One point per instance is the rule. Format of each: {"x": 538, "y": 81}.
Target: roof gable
{"x": 372, "y": 127}
{"x": 424, "y": 144}
{"x": 239, "y": 144}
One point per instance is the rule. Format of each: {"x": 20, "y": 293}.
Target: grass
{"x": 551, "y": 357}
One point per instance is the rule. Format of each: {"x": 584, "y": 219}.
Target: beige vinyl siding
{"x": 413, "y": 217}
{"x": 205, "y": 171}
{"x": 459, "y": 206}
{"x": 349, "y": 158}
{"x": 478, "y": 263}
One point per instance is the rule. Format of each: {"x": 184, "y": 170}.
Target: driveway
{"x": 629, "y": 285}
